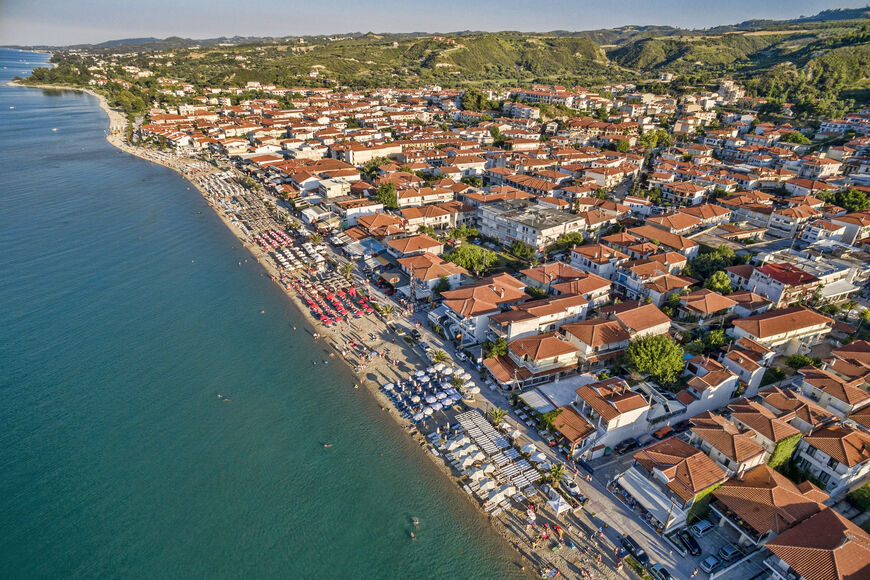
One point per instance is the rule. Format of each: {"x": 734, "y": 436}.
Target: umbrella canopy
{"x": 475, "y": 390}
{"x": 418, "y": 416}
{"x": 420, "y": 373}
{"x": 539, "y": 457}
{"x": 477, "y": 474}
{"x": 545, "y": 466}
{"x": 440, "y": 395}
{"x": 529, "y": 448}
{"x": 439, "y": 367}
{"x": 487, "y": 484}
{"x": 427, "y": 410}
{"x": 389, "y": 387}
{"x": 415, "y": 399}
{"x": 447, "y": 371}
{"x": 424, "y": 379}
{"x": 437, "y": 406}
{"x": 430, "y": 399}
{"x": 516, "y": 434}
{"x": 559, "y": 505}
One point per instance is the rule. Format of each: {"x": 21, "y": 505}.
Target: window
{"x": 810, "y": 451}
{"x": 824, "y": 477}
{"x": 833, "y": 463}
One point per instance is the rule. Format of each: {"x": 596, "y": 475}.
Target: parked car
{"x": 689, "y": 542}
{"x": 461, "y": 356}
{"x": 416, "y": 334}
{"x": 729, "y": 553}
{"x": 635, "y": 550}
{"x": 702, "y": 528}
{"x": 709, "y": 564}
{"x": 660, "y": 572}
{"x": 626, "y": 446}
{"x": 572, "y": 488}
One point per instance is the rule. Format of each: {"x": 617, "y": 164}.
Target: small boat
{"x": 54, "y": 128}
{"x": 11, "y": 107}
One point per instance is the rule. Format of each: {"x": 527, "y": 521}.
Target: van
{"x": 702, "y": 528}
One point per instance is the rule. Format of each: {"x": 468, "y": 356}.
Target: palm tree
{"x": 315, "y": 238}
{"x": 387, "y": 310}
{"x": 457, "y": 382}
{"x": 849, "y": 306}
{"x": 497, "y": 415}
{"x": 557, "y": 473}
{"x": 864, "y": 315}
{"x": 347, "y": 270}
{"x": 440, "y": 356}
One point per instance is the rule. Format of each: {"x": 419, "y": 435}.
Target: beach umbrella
{"x": 437, "y": 406}
{"x": 539, "y": 457}
{"x": 418, "y": 416}
{"x": 424, "y": 379}
{"x": 415, "y": 399}
{"x": 440, "y": 395}
{"x": 445, "y": 385}
{"x": 516, "y": 434}
{"x": 447, "y": 371}
{"x": 389, "y": 387}
{"x": 559, "y": 505}
{"x": 430, "y": 399}
{"x": 545, "y": 466}
{"x": 439, "y": 367}
{"x": 474, "y": 390}
{"x": 427, "y": 410}
{"x": 420, "y": 373}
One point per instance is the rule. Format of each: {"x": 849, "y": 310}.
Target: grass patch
{"x": 637, "y": 568}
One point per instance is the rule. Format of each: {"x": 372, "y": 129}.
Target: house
{"x": 734, "y": 451}
{"x": 426, "y": 271}
{"x": 749, "y": 361}
{"x": 763, "y": 503}
{"x": 786, "y": 331}
{"x": 708, "y": 214}
{"x": 676, "y": 243}
{"x": 644, "y": 320}
{"x": 711, "y": 385}
{"x": 837, "y": 395}
{"x": 598, "y": 340}
{"x": 749, "y": 303}
{"x": 796, "y": 410}
{"x": 820, "y": 230}
{"x": 782, "y": 283}
{"x": 533, "y": 224}
{"x": 381, "y": 225}
{"x": 683, "y": 193}
{"x": 595, "y": 289}
{"x": 533, "y": 360}
{"x": 675, "y": 223}
{"x": 614, "y": 410}
{"x": 704, "y": 304}
{"x": 572, "y": 427}
{"x": 837, "y": 455}
{"x": 545, "y": 275}
{"x": 468, "y": 308}
{"x": 667, "y": 477}
{"x": 598, "y": 259}
{"x": 414, "y": 245}
{"x": 537, "y": 316}
{"x": 850, "y": 361}
{"x": 767, "y": 429}
{"x": 857, "y": 225}
{"x": 825, "y": 546}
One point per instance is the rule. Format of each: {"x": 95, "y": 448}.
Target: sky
{"x": 62, "y": 22}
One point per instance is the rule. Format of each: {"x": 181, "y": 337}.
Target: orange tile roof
{"x": 689, "y": 471}
{"x": 777, "y": 322}
{"x": 541, "y": 347}
{"x": 571, "y": 424}
{"x": 825, "y": 546}
{"x": 846, "y": 445}
{"x": 597, "y": 332}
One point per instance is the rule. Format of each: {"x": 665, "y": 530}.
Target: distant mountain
{"x": 120, "y": 41}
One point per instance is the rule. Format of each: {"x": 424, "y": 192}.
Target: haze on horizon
{"x": 63, "y": 22}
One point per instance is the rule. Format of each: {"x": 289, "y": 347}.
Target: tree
{"x": 457, "y": 382}
{"x": 796, "y": 137}
{"x": 565, "y": 241}
{"x": 315, "y": 238}
{"x": 852, "y": 200}
{"x": 719, "y": 282}
{"x": 463, "y": 232}
{"x": 798, "y": 361}
{"x": 706, "y": 264}
{"x": 440, "y": 356}
{"x": 548, "y": 418}
{"x": 496, "y": 415}
{"x": 386, "y": 194}
{"x": 473, "y": 258}
{"x": 473, "y": 181}
{"x": 557, "y": 473}
{"x": 849, "y": 306}
{"x": 623, "y": 146}
{"x": 535, "y": 293}
{"x": 783, "y": 451}
{"x": 522, "y": 250}
{"x": 863, "y": 317}
{"x": 443, "y": 285}
{"x": 347, "y": 270}
{"x": 494, "y": 348}
{"x": 660, "y": 357}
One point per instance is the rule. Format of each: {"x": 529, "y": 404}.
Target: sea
{"x": 123, "y": 315}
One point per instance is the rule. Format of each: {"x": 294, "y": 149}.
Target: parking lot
{"x": 746, "y": 564}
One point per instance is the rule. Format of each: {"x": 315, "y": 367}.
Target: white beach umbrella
{"x": 415, "y": 399}
{"x": 538, "y": 457}
{"x": 445, "y": 385}
{"x": 420, "y": 373}
{"x": 427, "y": 410}
{"x": 437, "y": 406}
{"x": 418, "y": 416}
{"x": 475, "y": 390}
{"x": 424, "y": 379}
{"x": 516, "y": 434}
{"x": 447, "y": 371}
{"x": 439, "y": 367}
{"x": 545, "y": 466}
{"x": 389, "y": 387}
{"x": 430, "y": 399}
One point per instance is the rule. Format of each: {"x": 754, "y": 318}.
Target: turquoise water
{"x": 124, "y": 315}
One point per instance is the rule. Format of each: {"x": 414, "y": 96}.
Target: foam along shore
{"x": 383, "y": 360}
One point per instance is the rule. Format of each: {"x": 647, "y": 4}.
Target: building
{"x": 537, "y": 316}
{"x": 533, "y": 360}
{"x": 426, "y": 271}
{"x": 825, "y": 546}
{"x": 837, "y": 455}
{"x": 614, "y": 410}
{"x": 468, "y": 308}
{"x": 597, "y": 259}
{"x": 414, "y": 246}
{"x": 782, "y": 283}
{"x": 834, "y": 393}
{"x": 785, "y": 331}
{"x": 763, "y": 503}
{"x": 734, "y": 451}
{"x": 667, "y": 477}
{"x": 598, "y": 340}
{"x": 533, "y": 224}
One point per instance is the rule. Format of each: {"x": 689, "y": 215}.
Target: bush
{"x": 860, "y": 498}
{"x": 772, "y": 375}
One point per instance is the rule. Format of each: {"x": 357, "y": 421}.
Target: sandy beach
{"x": 533, "y": 552}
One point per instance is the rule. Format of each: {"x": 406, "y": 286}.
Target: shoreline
{"x": 507, "y": 524}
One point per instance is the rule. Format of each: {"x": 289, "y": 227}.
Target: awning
{"x": 537, "y": 401}
{"x": 648, "y": 495}
{"x": 382, "y": 260}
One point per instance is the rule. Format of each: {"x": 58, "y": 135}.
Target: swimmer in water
{"x": 413, "y": 537}
{"x": 327, "y": 445}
